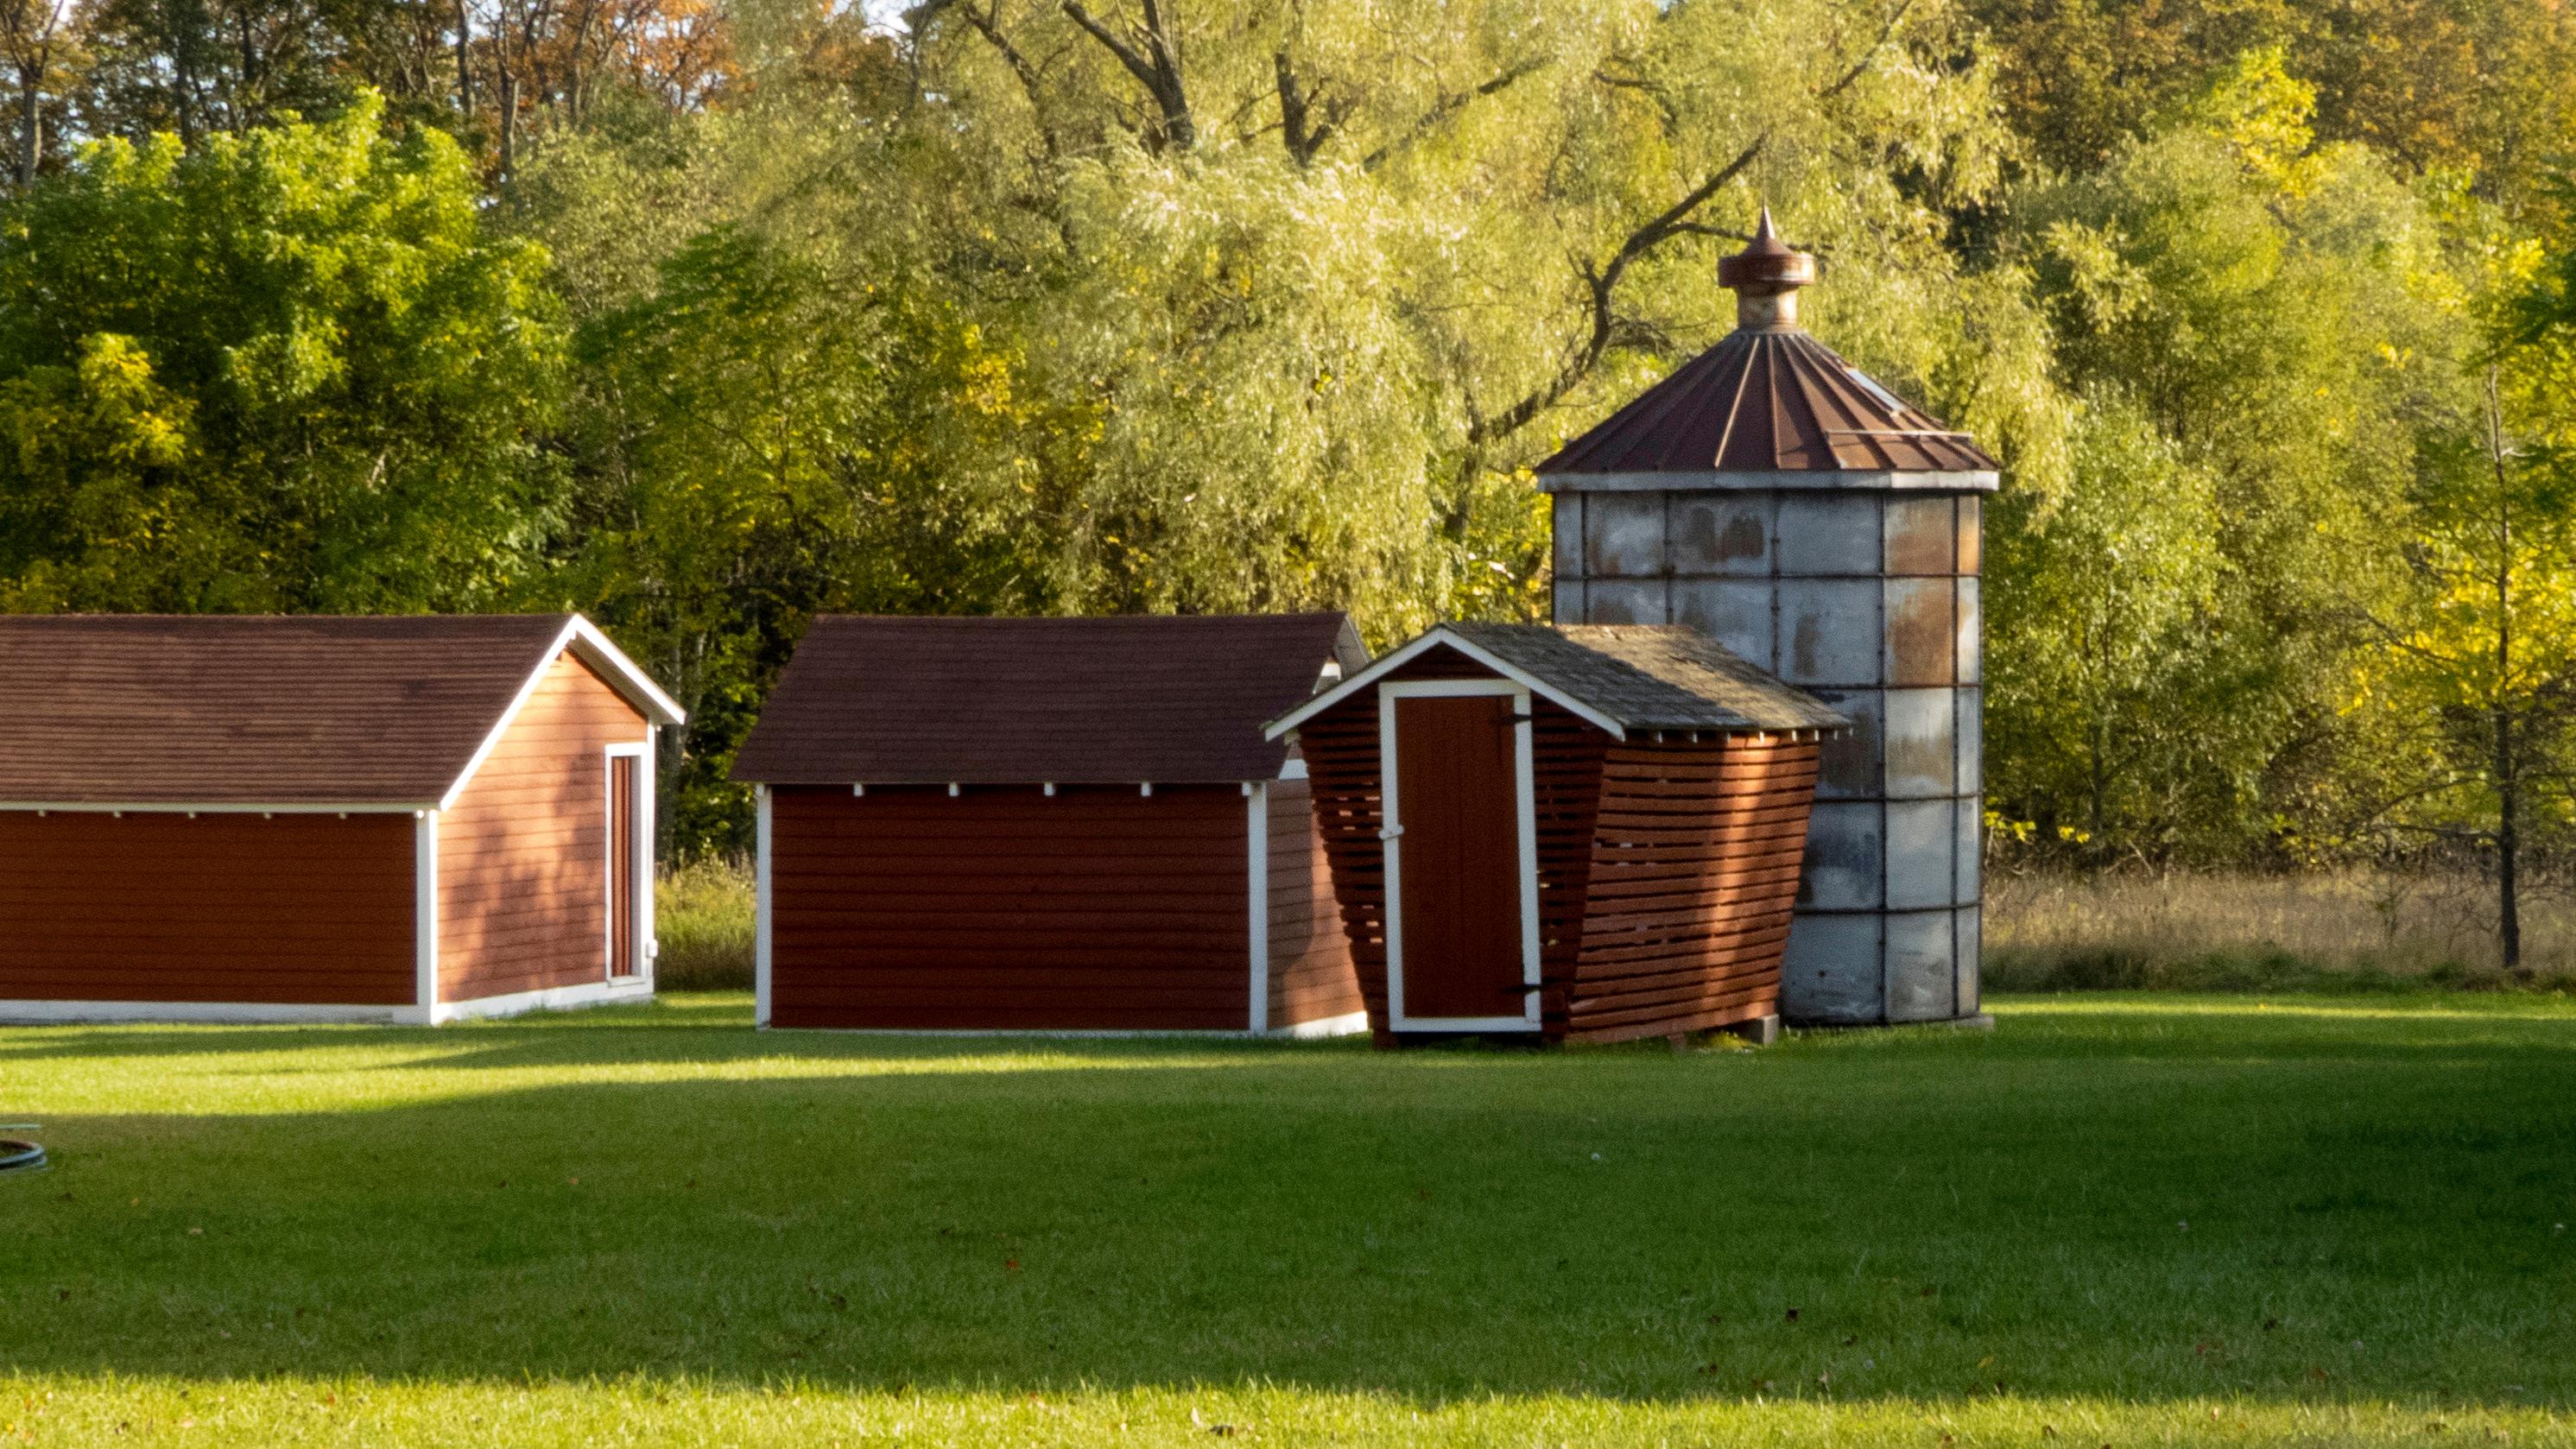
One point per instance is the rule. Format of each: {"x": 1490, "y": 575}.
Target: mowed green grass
{"x": 2113, "y": 1220}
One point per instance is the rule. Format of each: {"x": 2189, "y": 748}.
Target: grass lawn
{"x": 2114, "y": 1220}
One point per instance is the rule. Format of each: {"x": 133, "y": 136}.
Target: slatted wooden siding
{"x": 1695, "y": 859}
{"x": 1003, "y": 908}
{"x": 1311, "y": 975}
{"x": 522, "y": 857}
{"x": 308, "y": 909}
{"x": 1666, "y": 872}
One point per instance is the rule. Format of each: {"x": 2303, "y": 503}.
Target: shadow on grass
{"x": 2148, "y": 1203}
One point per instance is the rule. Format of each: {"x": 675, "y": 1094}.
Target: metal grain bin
{"x": 1769, "y": 493}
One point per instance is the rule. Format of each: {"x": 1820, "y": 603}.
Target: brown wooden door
{"x": 622, "y": 861}
{"x": 1458, "y": 857}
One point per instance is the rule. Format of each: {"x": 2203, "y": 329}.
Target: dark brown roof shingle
{"x": 254, "y": 710}
{"x": 1653, "y": 676}
{"x": 1131, "y": 700}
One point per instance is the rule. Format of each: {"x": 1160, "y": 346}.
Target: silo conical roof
{"x": 1770, "y": 398}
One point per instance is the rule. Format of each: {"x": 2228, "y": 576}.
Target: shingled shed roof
{"x": 1175, "y": 699}
{"x": 1625, "y": 678}
{"x": 1770, "y": 398}
{"x": 253, "y": 710}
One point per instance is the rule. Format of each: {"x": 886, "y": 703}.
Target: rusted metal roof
{"x": 1623, "y": 677}
{"x": 261, "y": 709}
{"x": 1175, "y": 699}
{"x": 1770, "y": 398}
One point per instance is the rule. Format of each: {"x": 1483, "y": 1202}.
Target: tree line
{"x": 703, "y": 317}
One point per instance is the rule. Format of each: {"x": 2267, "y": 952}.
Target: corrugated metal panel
{"x": 1768, "y": 399}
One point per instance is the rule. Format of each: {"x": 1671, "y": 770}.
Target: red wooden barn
{"x": 322, "y": 819}
{"x": 1580, "y": 832}
{"x": 1046, "y": 824}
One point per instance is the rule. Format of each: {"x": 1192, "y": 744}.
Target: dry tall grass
{"x": 2044, "y": 932}
{"x": 2188, "y": 930}
{"x": 703, "y": 913}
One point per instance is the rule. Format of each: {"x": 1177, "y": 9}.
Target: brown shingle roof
{"x": 1654, "y": 676}
{"x": 1768, "y": 400}
{"x": 1624, "y": 677}
{"x": 1148, "y": 698}
{"x": 256, "y": 710}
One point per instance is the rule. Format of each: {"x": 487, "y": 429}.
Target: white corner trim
{"x": 1351, "y": 1024}
{"x": 555, "y": 998}
{"x": 763, "y": 913}
{"x": 238, "y": 1013}
{"x": 583, "y": 638}
{"x": 1256, "y": 829}
{"x": 1440, "y": 636}
{"x": 1293, "y": 770}
{"x": 1391, "y": 843}
{"x": 424, "y": 912}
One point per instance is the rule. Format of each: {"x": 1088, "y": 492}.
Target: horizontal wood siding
{"x": 1003, "y": 908}
{"x": 1695, "y": 859}
{"x": 1340, "y": 747}
{"x": 523, "y": 855}
{"x": 302, "y": 909}
{"x": 1312, "y": 977}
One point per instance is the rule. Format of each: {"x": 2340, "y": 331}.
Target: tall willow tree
{"x": 1195, "y": 306}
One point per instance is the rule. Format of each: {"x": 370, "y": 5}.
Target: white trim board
{"x": 1391, "y": 840}
{"x": 555, "y": 998}
{"x": 229, "y": 807}
{"x": 586, "y": 643}
{"x": 1256, "y": 890}
{"x": 1349, "y": 1024}
{"x": 205, "y": 1013}
{"x": 639, "y": 924}
{"x": 764, "y": 912}
{"x": 271, "y": 1013}
{"x": 1356, "y": 1021}
{"x": 1440, "y": 637}
{"x": 424, "y": 911}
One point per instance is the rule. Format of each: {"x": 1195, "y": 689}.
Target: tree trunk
{"x": 31, "y": 131}
{"x": 464, "y": 70}
{"x": 509, "y": 125}
{"x": 2508, "y": 762}
{"x": 2508, "y": 847}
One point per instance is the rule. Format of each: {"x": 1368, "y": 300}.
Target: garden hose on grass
{"x": 16, "y": 1154}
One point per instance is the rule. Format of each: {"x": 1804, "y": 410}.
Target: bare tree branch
{"x": 1602, "y": 284}
{"x": 1446, "y": 106}
{"x": 1157, "y": 67}
{"x": 1299, "y": 128}
{"x": 1895, "y": 18}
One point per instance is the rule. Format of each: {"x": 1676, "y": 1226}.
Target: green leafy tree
{"x": 764, "y": 440}
{"x": 2476, "y": 660}
{"x": 283, "y": 371}
{"x": 2106, "y": 663}
{"x": 2269, "y": 315}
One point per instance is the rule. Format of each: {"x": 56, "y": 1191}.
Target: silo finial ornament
{"x": 1765, "y": 278}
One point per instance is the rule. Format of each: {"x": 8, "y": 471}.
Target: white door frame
{"x": 640, "y": 929}
{"x": 1391, "y": 837}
